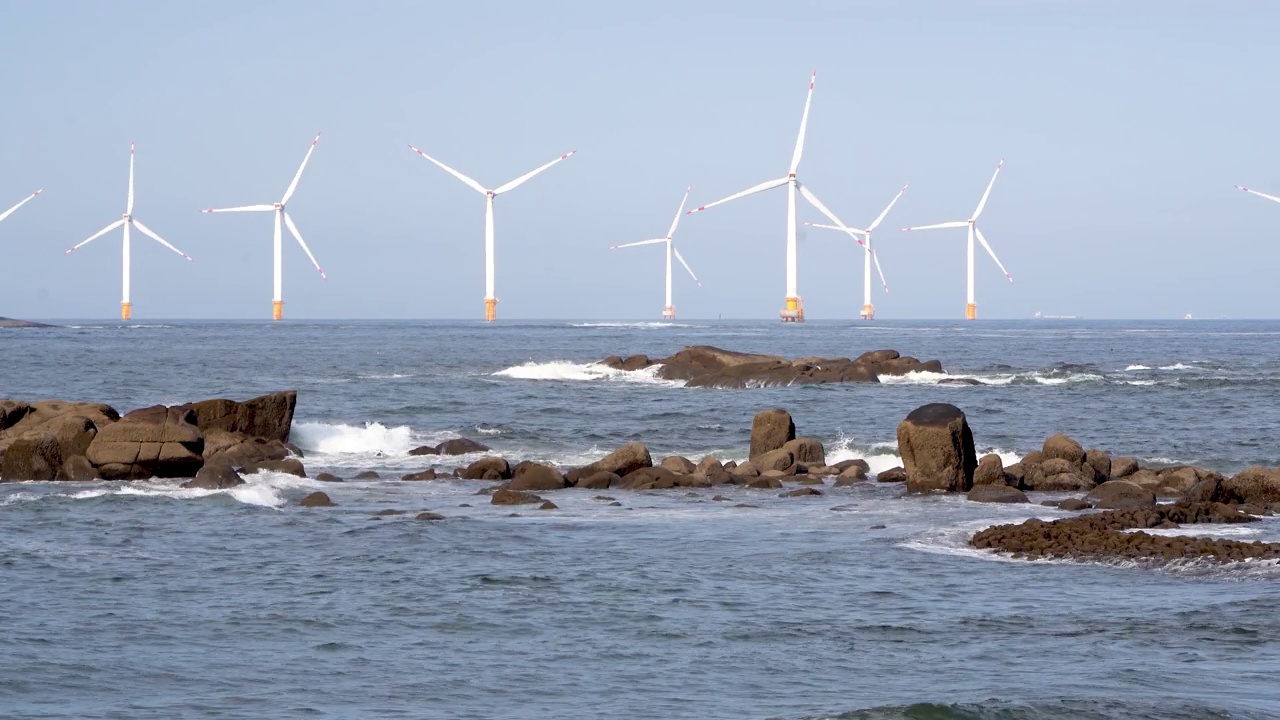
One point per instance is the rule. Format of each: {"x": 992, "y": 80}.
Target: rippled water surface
{"x": 140, "y": 600}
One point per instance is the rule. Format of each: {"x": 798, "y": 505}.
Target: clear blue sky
{"x": 1124, "y": 125}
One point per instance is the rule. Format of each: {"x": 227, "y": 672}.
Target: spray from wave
{"x": 374, "y": 439}
{"x": 569, "y": 371}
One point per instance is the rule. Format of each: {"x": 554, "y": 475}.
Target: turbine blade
{"x": 769, "y": 185}
{"x": 983, "y": 202}
{"x": 243, "y": 208}
{"x": 128, "y": 210}
{"x": 833, "y": 227}
{"x": 804, "y": 125}
{"x": 298, "y": 176}
{"x": 1272, "y": 198}
{"x": 97, "y": 235}
{"x": 642, "y": 242}
{"x": 814, "y": 201}
{"x": 520, "y": 180}
{"x": 876, "y": 258}
{"x": 954, "y": 224}
{"x": 676, "y": 220}
{"x": 992, "y": 253}
{"x": 298, "y": 236}
{"x": 686, "y": 266}
{"x": 470, "y": 183}
{"x": 888, "y": 207}
{"x": 25, "y": 200}
{"x": 149, "y": 233}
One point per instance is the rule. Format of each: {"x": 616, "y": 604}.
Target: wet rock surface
{"x": 707, "y": 366}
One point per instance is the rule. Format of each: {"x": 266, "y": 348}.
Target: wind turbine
{"x": 490, "y": 300}
{"x": 277, "y": 301}
{"x": 25, "y": 200}
{"x": 1272, "y": 198}
{"x": 971, "y": 309}
{"x": 128, "y": 221}
{"x": 793, "y": 311}
{"x": 868, "y": 310}
{"x": 669, "y": 312}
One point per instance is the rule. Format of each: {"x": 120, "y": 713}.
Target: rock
{"x": 729, "y": 466}
{"x": 548, "y": 505}
{"x": 807, "y": 451}
{"x": 705, "y": 366}
{"x": 781, "y": 460}
{"x": 747, "y": 472}
{"x": 852, "y": 474}
{"x": 959, "y": 381}
{"x": 990, "y": 471}
{"x": 822, "y": 471}
{"x": 428, "y": 474}
{"x": 388, "y": 512}
{"x": 1253, "y": 486}
{"x": 996, "y": 493}
{"x": 1144, "y": 477}
{"x": 503, "y": 496}
{"x": 327, "y": 477}
{"x": 635, "y": 362}
{"x": 149, "y": 442}
{"x": 368, "y": 475}
{"x": 1035, "y": 457}
{"x": 487, "y": 468}
{"x": 461, "y": 446}
{"x": 1062, "y": 447}
{"x": 1177, "y": 480}
{"x": 1015, "y": 475}
{"x": 78, "y": 467}
{"x": 765, "y": 483}
{"x": 599, "y": 481}
{"x": 269, "y": 417}
{"x": 802, "y": 492}
{"x": 316, "y": 499}
{"x": 428, "y": 516}
{"x": 678, "y": 465}
{"x": 1122, "y": 467}
{"x": 1057, "y": 466}
{"x": 1063, "y": 482}
{"x": 1208, "y": 490}
{"x": 936, "y": 445}
{"x": 843, "y": 481}
{"x": 237, "y": 449}
{"x": 536, "y": 477}
{"x": 770, "y": 430}
{"x": 1074, "y": 504}
{"x": 808, "y": 480}
{"x": 892, "y": 475}
{"x": 650, "y": 478}
{"x": 1121, "y": 495}
{"x": 288, "y": 466}
{"x": 1100, "y": 461}
{"x": 720, "y": 498}
{"x": 214, "y": 477}
{"x": 424, "y": 450}
{"x": 33, "y": 456}
{"x": 873, "y": 357}
{"x": 846, "y": 464}
{"x": 708, "y": 465}
{"x": 621, "y": 462}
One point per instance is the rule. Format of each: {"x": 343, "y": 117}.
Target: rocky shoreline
{"x": 707, "y": 366}
{"x": 12, "y": 323}
{"x": 211, "y": 443}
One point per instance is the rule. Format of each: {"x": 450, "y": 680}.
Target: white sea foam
{"x": 881, "y": 456}
{"x": 1133, "y": 368}
{"x": 1139, "y": 383}
{"x": 569, "y": 371}
{"x": 374, "y": 439}
{"x": 387, "y": 376}
{"x": 644, "y": 325}
{"x": 925, "y": 377}
{"x": 1179, "y": 366}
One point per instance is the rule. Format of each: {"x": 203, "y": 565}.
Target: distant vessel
{"x": 1042, "y": 316}
{"x": 1187, "y": 316}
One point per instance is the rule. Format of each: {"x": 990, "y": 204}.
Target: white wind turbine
{"x": 971, "y": 308}
{"x": 128, "y": 221}
{"x": 277, "y": 301}
{"x": 669, "y": 311}
{"x": 1251, "y": 191}
{"x": 25, "y": 200}
{"x": 793, "y": 311}
{"x": 490, "y": 300}
{"x": 868, "y": 310}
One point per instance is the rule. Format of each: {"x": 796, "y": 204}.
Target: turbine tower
{"x": 128, "y": 221}
{"x": 669, "y": 311}
{"x": 971, "y": 308}
{"x": 25, "y": 200}
{"x": 277, "y": 301}
{"x": 868, "y": 310}
{"x": 793, "y": 310}
{"x": 490, "y": 300}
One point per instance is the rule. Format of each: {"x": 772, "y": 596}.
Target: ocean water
{"x": 141, "y": 600}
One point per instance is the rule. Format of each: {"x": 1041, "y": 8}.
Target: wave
{"x": 374, "y": 439}
{"x": 644, "y": 325}
{"x": 387, "y": 376}
{"x": 1034, "y": 377}
{"x": 1133, "y": 368}
{"x": 263, "y": 489}
{"x": 570, "y": 371}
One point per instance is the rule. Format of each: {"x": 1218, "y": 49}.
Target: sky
{"x": 1123, "y": 126}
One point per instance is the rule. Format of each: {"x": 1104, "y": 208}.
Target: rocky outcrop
{"x": 621, "y": 462}
{"x": 535, "y": 477}
{"x": 214, "y": 477}
{"x": 1120, "y": 495}
{"x": 770, "y": 430}
{"x": 268, "y": 416}
{"x": 11, "y": 323}
{"x": 706, "y": 366}
{"x": 37, "y": 440}
{"x": 936, "y": 446}
{"x": 150, "y": 442}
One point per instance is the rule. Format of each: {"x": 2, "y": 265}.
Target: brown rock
{"x": 1100, "y": 461}
{"x": 461, "y": 446}
{"x": 428, "y": 474}
{"x": 322, "y": 477}
{"x": 599, "y": 481}
{"x": 650, "y": 478}
{"x": 708, "y": 465}
{"x": 237, "y": 449}
{"x": 1074, "y": 504}
{"x": 892, "y": 475}
{"x": 316, "y": 499}
{"x": 1063, "y": 447}
{"x": 1063, "y": 482}
{"x": 288, "y": 466}
{"x": 537, "y": 477}
{"x": 770, "y": 430}
{"x": 78, "y": 467}
{"x": 1253, "y": 486}
{"x": 34, "y": 455}
{"x": 781, "y": 460}
{"x": 368, "y": 475}
{"x": 1121, "y": 495}
{"x": 765, "y": 483}
{"x": 548, "y": 505}
{"x": 937, "y": 449}
{"x": 269, "y": 417}
{"x": 678, "y": 465}
{"x": 621, "y": 462}
{"x": 424, "y": 450}
{"x": 996, "y": 493}
{"x": 990, "y": 471}
{"x": 807, "y": 451}
{"x": 1035, "y": 457}
{"x": 851, "y": 474}
{"x": 802, "y": 492}
{"x": 857, "y": 462}
{"x": 214, "y": 477}
{"x": 387, "y": 512}
{"x": 1122, "y": 467}
{"x": 503, "y": 496}
{"x": 487, "y": 468}
{"x": 149, "y": 442}
{"x": 428, "y": 516}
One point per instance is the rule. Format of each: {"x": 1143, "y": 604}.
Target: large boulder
{"x": 990, "y": 471}
{"x": 1122, "y": 467}
{"x": 33, "y": 456}
{"x": 1252, "y": 486}
{"x": 287, "y": 466}
{"x": 678, "y": 465}
{"x": 215, "y": 477}
{"x": 993, "y": 493}
{"x": 1100, "y": 461}
{"x": 1061, "y": 446}
{"x": 237, "y": 449}
{"x": 936, "y": 445}
{"x": 770, "y": 430}
{"x": 621, "y": 462}
{"x": 461, "y": 446}
{"x": 488, "y": 468}
{"x": 267, "y": 416}
{"x": 781, "y": 459}
{"x": 536, "y": 477}
{"x": 72, "y": 426}
{"x": 157, "y": 441}
{"x": 649, "y": 478}
{"x": 807, "y": 451}
{"x": 503, "y": 496}
{"x": 1121, "y": 495}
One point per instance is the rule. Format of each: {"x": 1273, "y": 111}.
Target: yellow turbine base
{"x": 669, "y": 312}
{"x": 971, "y": 311}
{"x": 126, "y": 311}
{"x": 277, "y": 309}
{"x": 794, "y": 310}
{"x": 490, "y": 309}
{"x": 868, "y": 312}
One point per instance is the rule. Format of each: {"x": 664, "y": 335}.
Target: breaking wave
{"x": 372, "y": 439}
{"x": 1034, "y": 377}
{"x": 569, "y": 371}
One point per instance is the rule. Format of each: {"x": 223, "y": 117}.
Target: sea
{"x": 144, "y": 600}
